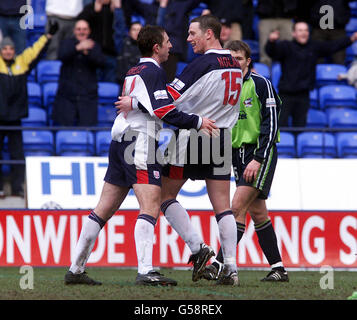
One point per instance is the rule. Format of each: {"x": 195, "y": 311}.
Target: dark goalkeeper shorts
{"x": 240, "y": 159}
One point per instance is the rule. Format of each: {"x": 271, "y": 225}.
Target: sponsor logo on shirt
{"x": 248, "y": 102}
{"x": 270, "y": 103}
{"x": 177, "y": 84}
{"x": 160, "y": 94}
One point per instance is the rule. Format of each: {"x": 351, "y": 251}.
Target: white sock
{"x": 89, "y": 233}
{"x": 180, "y": 221}
{"x": 228, "y": 238}
{"x": 144, "y": 241}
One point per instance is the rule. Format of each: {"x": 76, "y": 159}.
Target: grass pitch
{"x": 118, "y": 284}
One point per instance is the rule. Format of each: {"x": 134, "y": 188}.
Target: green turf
{"x": 118, "y": 284}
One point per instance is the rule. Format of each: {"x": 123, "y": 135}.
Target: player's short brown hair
{"x": 238, "y": 45}
{"x": 209, "y": 22}
{"x": 148, "y": 37}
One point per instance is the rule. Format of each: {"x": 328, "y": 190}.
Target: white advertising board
{"x": 299, "y": 184}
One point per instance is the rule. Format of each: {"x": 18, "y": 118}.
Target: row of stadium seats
{"x": 64, "y": 143}
{"x": 87, "y": 143}
{"x": 326, "y": 102}
{"x": 318, "y": 145}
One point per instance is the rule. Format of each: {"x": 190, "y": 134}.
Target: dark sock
{"x": 268, "y": 243}
{"x": 240, "y": 231}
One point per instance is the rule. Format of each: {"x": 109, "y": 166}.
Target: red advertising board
{"x": 48, "y": 238}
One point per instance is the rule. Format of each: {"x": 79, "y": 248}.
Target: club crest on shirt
{"x": 248, "y": 102}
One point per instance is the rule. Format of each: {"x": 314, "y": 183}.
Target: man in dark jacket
{"x": 13, "y": 100}
{"x": 125, "y": 43}
{"x": 341, "y": 16}
{"x": 76, "y": 99}
{"x": 298, "y": 60}
{"x": 99, "y": 15}
{"x": 10, "y": 23}
{"x": 173, "y": 16}
{"x": 274, "y": 15}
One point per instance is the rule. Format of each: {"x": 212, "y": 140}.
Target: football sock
{"x": 144, "y": 241}
{"x": 240, "y": 232}
{"x": 268, "y": 242}
{"x": 228, "y": 239}
{"x": 89, "y": 233}
{"x": 180, "y": 221}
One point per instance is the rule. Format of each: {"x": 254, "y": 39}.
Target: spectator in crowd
{"x": 298, "y": 60}
{"x": 144, "y": 9}
{"x": 173, "y": 17}
{"x": 351, "y": 75}
{"x": 101, "y": 18}
{"x": 341, "y": 16}
{"x": 274, "y": 15}
{"x": 76, "y": 101}
{"x": 13, "y": 100}
{"x": 126, "y": 43}
{"x": 229, "y": 12}
{"x": 10, "y": 23}
{"x": 64, "y": 13}
{"x": 226, "y": 32}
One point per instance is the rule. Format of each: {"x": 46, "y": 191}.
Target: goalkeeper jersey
{"x": 258, "y": 117}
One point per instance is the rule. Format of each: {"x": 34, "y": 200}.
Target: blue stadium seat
{"x": 346, "y": 144}
{"x": 254, "y": 47}
{"x": 138, "y": 18}
{"x": 32, "y": 76}
{"x": 49, "y": 93}
{"x": 38, "y": 143}
{"x": 48, "y": 71}
{"x": 103, "y": 140}
{"x": 37, "y": 118}
{"x": 74, "y": 143}
{"x": 108, "y": 93}
{"x": 106, "y": 116}
{"x": 262, "y": 69}
{"x": 351, "y": 26}
{"x": 275, "y": 74}
{"x": 351, "y": 53}
{"x": 40, "y": 20}
{"x": 353, "y": 7}
{"x": 286, "y": 146}
{"x": 198, "y": 10}
{"x": 316, "y": 119}
{"x": 39, "y": 6}
{"x": 342, "y": 118}
{"x": 316, "y": 145}
{"x": 34, "y": 94}
{"x": 327, "y": 74}
{"x": 337, "y": 96}
{"x": 314, "y": 99}
{"x": 180, "y": 66}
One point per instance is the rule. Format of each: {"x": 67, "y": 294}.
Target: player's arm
{"x": 270, "y": 107}
{"x": 167, "y": 113}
